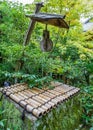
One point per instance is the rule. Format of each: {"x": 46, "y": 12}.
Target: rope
{"x": 23, "y": 113}
{"x": 1, "y": 97}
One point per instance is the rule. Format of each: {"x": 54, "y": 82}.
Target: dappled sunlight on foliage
{"x": 70, "y": 61}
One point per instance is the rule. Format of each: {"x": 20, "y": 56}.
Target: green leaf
{"x": 91, "y": 128}
{"x": 1, "y": 124}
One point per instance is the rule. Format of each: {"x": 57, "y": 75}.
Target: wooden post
{"x": 31, "y": 25}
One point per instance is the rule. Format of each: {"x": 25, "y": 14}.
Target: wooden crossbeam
{"x": 31, "y": 25}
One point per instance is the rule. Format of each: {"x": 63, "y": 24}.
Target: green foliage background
{"x": 71, "y": 60}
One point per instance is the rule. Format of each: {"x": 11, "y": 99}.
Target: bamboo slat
{"x": 39, "y": 101}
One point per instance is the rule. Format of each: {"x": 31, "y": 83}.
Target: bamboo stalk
{"x": 59, "y": 98}
{"x": 38, "y": 99}
{"x": 19, "y": 96}
{"x": 14, "y": 90}
{"x": 49, "y": 94}
{"x": 36, "y": 104}
{"x": 47, "y": 105}
{"x": 37, "y": 90}
{"x": 28, "y": 92}
{"x": 30, "y": 108}
{"x": 74, "y": 91}
{"x": 54, "y": 100}
{"x": 10, "y": 91}
{"x": 42, "y": 100}
{"x": 60, "y": 91}
{"x": 13, "y": 86}
{"x": 54, "y": 92}
{"x": 21, "y": 88}
{"x": 33, "y": 91}
{"x": 63, "y": 90}
{"x": 41, "y": 107}
{"x": 15, "y": 98}
{"x": 45, "y": 101}
{"x": 52, "y": 104}
{"x": 55, "y": 84}
{"x": 32, "y": 103}
{"x": 64, "y": 87}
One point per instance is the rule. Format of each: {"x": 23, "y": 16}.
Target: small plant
{"x": 31, "y": 79}
{"x": 2, "y": 120}
{"x": 87, "y": 103}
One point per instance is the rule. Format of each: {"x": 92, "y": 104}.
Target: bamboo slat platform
{"x": 39, "y": 101}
